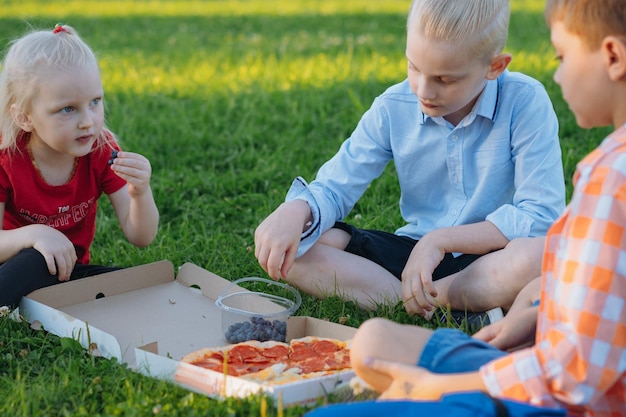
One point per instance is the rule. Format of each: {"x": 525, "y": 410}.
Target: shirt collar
{"x": 486, "y": 106}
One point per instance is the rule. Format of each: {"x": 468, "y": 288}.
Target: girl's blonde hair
{"x": 591, "y": 20}
{"x": 482, "y": 25}
{"x": 25, "y": 65}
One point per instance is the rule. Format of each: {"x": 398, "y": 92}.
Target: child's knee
{"x": 525, "y": 256}
{"x": 365, "y": 341}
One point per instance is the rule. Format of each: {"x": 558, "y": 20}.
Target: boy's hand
{"x": 518, "y": 328}
{"x": 277, "y": 238}
{"x": 57, "y": 250}
{"x": 408, "y": 382}
{"x": 135, "y": 169}
{"x": 515, "y": 331}
{"x": 418, "y": 291}
{"x": 413, "y": 382}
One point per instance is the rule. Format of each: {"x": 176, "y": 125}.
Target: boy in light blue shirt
{"x": 477, "y": 156}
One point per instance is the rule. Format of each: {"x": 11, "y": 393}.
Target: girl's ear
{"x": 21, "y": 119}
{"x": 614, "y": 51}
{"x": 497, "y": 65}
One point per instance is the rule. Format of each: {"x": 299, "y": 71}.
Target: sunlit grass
{"x": 12, "y": 8}
{"x": 16, "y": 8}
{"x": 266, "y": 73}
{"x": 535, "y": 6}
{"x": 235, "y": 56}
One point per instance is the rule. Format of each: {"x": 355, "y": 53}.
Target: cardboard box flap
{"x": 210, "y": 284}
{"x": 179, "y": 318}
{"x": 117, "y": 282}
{"x": 65, "y": 325}
{"x": 301, "y": 326}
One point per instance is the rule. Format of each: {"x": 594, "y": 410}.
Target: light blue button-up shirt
{"x": 501, "y": 163}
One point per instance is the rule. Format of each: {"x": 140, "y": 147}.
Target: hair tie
{"x": 59, "y": 28}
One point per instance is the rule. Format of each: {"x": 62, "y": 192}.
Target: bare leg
{"x": 495, "y": 279}
{"x": 326, "y": 269}
{"x": 384, "y": 339}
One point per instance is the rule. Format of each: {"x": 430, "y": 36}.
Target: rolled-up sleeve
{"x": 539, "y": 196}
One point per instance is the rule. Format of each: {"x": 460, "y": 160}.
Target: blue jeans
{"x": 451, "y": 351}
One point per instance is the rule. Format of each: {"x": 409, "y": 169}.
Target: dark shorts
{"x": 453, "y": 351}
{"x": 392, "y": 251}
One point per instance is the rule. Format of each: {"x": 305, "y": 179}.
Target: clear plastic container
{"x": 250, "y": 315}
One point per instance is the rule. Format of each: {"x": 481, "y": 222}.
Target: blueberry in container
{"x": 255, "y": 315}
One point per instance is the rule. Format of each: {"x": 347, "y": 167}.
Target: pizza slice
{"x": 315, "y": 354}
{"x": 240, "y": 359}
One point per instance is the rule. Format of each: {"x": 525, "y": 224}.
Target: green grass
{"x": 229, "y": 100}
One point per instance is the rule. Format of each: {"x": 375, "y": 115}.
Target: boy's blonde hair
{"x": 482, "y": 25}
{"x": 591, "y": 20}
{"x": 25, "y": 66}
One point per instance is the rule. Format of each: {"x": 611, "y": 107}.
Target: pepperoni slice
{"x": 278, "y": 352}
{"x": 301, "y": 352}
{"x": 325, "y": 346}
{"x": 217, "y": 356}
{"x": 244, "y": 353}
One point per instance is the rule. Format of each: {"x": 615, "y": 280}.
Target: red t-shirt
{"x": 71, "y": 207}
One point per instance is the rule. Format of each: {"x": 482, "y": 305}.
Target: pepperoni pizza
{"x": 276, "y": 362}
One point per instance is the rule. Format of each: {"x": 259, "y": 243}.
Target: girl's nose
{"x": 86, "y": 121}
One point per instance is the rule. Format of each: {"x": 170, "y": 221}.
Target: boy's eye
{"x": 67, "y": 109}
{"x": 95, "y": 101}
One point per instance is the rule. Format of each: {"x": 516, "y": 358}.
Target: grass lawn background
{"x": 230, "y": 100}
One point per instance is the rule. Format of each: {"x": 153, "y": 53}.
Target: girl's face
{"x": 66, "y": 113}
{"x": 583, "y": 78}
{"x": 446, "y": 82}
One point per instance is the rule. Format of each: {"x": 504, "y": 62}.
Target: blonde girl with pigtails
{"x": 56, "y": 159}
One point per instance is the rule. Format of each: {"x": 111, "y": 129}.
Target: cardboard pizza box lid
{"x": 149, "y": 317}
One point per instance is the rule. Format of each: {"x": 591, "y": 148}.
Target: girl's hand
{"x": 418, "y": 291}
{"x": 134, "y": 205}
{"x": 135, "y": 169}
{"x": 57, "y": 250}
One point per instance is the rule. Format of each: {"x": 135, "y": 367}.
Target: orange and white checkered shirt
{"x": 579, "y": 359}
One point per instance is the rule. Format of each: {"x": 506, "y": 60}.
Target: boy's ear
{"x": 21, "y": 119}
{"x": 497, "y": 65}
{"x": 614, "y": 51}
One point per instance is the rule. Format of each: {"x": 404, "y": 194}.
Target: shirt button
{"x": 453, "y": 211}
{"x": 454, "y": 138}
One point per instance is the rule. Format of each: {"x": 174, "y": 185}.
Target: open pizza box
{"x": 149, "y": 318}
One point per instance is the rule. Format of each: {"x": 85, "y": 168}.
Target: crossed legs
{"x": 493, "y": 280}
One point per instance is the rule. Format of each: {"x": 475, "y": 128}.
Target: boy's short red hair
{"x": 591, "y": 20}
